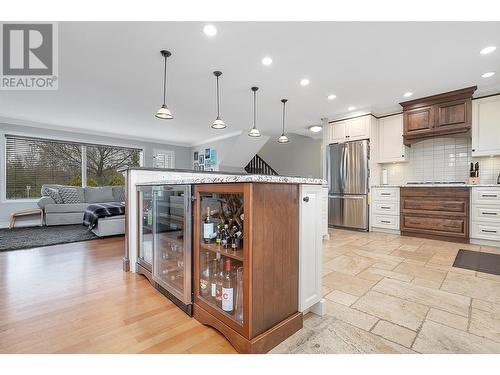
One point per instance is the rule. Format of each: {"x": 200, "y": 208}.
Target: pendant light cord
{"x": 254, "y": 106}
{"x": 218, "y": 112}
{"x": 165, "y": 82}
{"x": 283, "y": 131}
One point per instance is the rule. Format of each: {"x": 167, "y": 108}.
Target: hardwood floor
{"x": 75, "y": 298}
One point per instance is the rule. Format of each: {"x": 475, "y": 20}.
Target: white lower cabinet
{"x": 485, "y": 215}
{"x": 311, "y": 247}
{"x": 384, "y": 209}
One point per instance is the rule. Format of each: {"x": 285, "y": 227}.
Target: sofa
{"x": 63, "y": 205}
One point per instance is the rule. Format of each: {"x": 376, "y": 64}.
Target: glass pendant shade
{"x": 283, "y": 139}
{"x": 218, "y": 124}
{"x": 254, "y": 132}
{"x": 164, "y": 113}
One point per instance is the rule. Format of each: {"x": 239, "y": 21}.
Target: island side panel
{"x": 275, "y": 254}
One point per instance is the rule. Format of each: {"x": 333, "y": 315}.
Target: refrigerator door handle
{"x": 343, "y": 166}
{"x": 348, "y": 196}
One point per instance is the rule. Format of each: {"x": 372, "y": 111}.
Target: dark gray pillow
{"x": 54, "y": 194}
{"x": 70, "y": 195}
{"x": 99, "y": 194}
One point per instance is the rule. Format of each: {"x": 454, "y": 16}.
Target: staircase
{"x": 258, "y": 166}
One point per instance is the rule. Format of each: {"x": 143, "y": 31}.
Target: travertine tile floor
{"x": 393, "y": 294}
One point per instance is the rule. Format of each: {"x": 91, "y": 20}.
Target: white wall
{"x": 300, "y": 157}
{"x": 233, "y": 153}
{"x": 182, "y": 158}
{"x": 441, "y": 159}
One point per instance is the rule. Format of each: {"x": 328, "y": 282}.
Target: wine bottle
{"x": 213, "y": 277}
{"x": 227, "y": 289}
{"x": 205, "y": 277}
{"x": 225, "y": 236}
{"x": 208, "y": 228}
{"x": 218, "y": 286}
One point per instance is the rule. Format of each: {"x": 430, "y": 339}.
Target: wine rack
{"x": 245, "y": 239}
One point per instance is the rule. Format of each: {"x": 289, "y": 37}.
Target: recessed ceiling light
{"x": 407, "y": 94}
{"x": 487, "y": 50}
{"x": 488, "y": 75}
{"x": 315, "y": 128}
{"x": 267, "y": 61}
{"x": 210, "y": 30}
{"x": 304, "y": 82}
{"x": 331, "y": 96}
{"x": 351, "y": 108}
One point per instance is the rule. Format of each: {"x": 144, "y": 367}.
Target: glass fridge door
{"x": 145, "y": 200}
{"x": 172, "y": 240}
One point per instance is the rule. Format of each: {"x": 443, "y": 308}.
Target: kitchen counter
{"x": 155, "y": 176}
{"x": 435, "y": 185}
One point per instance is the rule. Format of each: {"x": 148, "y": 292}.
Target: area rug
{"x": 478, "y": 261}
{"x": 30, "y": 237}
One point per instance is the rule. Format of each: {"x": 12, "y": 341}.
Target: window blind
{"x": 33, "y": 162}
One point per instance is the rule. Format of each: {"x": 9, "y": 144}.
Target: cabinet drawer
{"x": 388, "y": 222}
{"x": 385, "y": 194}
{"x": 489, "y": 213}
{"x": 435, "y": 205}
{"x": 434, "y": 224}
{"x": 386, "y": 208}
{"x": 486, "y": 195}
{"x": 486, "y": 231}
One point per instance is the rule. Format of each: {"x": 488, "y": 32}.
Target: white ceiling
{"x": 110, "y": 74}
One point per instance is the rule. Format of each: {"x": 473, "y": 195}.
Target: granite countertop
{"x": 187, "y": 177}
{"x": 436, "y": 185}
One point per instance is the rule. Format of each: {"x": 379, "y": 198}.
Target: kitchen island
{"x": 241, "y": 253}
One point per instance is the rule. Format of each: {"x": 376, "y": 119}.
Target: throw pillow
{"x": 69, "y": 195}
{"x": 54, "y": 194}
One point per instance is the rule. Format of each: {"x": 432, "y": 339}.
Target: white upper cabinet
{"x": 486, "y": 126}
{"x": 359, "y": 128}
{"x": 391, "y": 147}
{"x": 349, "y": 130}
{"x": 338, "y": 132}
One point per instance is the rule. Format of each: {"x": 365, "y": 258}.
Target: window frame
{"x": 164, "y": 151}
{"x": 4, "y": 134}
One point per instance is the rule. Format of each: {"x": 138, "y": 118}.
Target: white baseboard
{"x": 476, "y": 241}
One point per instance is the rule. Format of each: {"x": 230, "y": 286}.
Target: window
{"x": 103, "y": 163}
{"x": 164, "y": 159}
{"x": 31, "y": 163}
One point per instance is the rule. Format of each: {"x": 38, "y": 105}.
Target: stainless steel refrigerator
{"x": 347, "y": 174}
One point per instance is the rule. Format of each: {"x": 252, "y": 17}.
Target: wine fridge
{"x": 170, "y": 220}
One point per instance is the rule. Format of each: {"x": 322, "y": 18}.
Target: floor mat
{"x": 477, "y": 261}
{"x": 30, "y": 237}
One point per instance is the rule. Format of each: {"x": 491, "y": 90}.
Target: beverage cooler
{"x": 165, "y": 241}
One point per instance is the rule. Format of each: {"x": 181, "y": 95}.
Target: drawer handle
{"x": 385, "y": 193}
{"x": 385, "y": 208}
{"x": 489, "y": 213}
{"x": 488, "y": 231}
{"x": 385, "y": 221}
{"x": 489, "y": 195}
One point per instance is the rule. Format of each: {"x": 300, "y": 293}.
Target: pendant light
{"x": 164, "y": 113}
{"x": 218, "y": 123}
{"x": 254, "y": 132}
{"x": 283, "y": 138}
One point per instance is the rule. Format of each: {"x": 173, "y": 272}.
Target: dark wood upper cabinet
{"x": 447, "y": 114}
{"x": 419, "y": 122}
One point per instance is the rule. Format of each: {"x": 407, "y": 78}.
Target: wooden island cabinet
{"x": 260, "y": 271}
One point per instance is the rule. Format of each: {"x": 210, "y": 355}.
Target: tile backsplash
{"x": 442, "y": 159}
